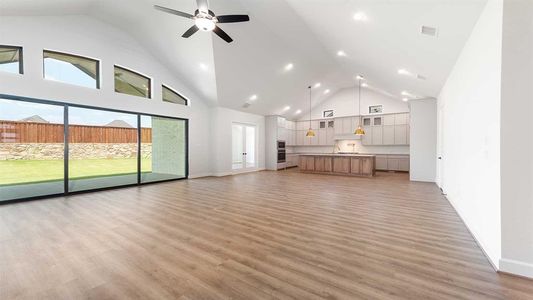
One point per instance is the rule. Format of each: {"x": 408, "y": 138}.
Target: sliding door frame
{"x": 66, "y": 106}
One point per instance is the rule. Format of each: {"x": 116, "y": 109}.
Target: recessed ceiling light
{"x": 359, "y": 77}
{"x": 403, "y": 72}
{"x": 253, "y": 97}
{"x": 286, "y": 108}
{"x": 360, "y": 16}
{"x": 204, "y": 66}
{"x": 289, "y": 67}
{"x": 326, "y": 92}
{"x": 298, "y": 112}
{"x": 317, "y": 85}
{"x": 364, "y": 84}
{"x": 405, "y": 93}
{"x": 341, "y": 53}
{"x": 405, "y": 99}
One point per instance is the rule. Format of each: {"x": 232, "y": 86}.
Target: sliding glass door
{"x": 104, "y": 148}
{"x": 31, "y": 149}
{"x": 163, "y": 149}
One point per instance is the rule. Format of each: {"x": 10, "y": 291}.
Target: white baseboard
{"x": 200, "y": 175}
{"x": 516, "y": 267}
{"x": 494, "y": 264}
{"x": 221, "y": 174}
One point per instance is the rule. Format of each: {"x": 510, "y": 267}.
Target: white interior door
{"x": 244, "y": 156}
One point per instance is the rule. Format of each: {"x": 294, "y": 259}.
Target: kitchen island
{"x": 339, "y": 164}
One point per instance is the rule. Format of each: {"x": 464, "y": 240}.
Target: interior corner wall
{"x": 516, "y": 138}
{"x": 86, "y": 36}
{"x": 468, "y": 132}
{"x": 423, "y": 140}
{"x": 221, "y": 136}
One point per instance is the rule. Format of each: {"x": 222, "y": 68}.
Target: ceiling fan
{"x": 206, "y": 20}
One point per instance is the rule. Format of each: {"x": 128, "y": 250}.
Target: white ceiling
{"x": 306, "y": 33}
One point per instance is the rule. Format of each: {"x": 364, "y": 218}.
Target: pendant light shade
{"x": 310, "y": 132}
{"x": 359, "y": 130}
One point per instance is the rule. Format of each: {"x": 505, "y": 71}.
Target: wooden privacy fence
{"x": 29, "y": 132}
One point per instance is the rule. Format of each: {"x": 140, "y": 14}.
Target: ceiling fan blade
{"x": 223, "y": 35}
{"x": 202, "y": 5}
{"x": 190, "y": 31}
{"x": 233, "y": 18}
{"x": 174, "y": 12}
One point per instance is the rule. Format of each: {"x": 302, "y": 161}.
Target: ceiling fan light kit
{"x": 206, "y": 20}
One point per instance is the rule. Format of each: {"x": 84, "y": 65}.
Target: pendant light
{"x": 359, "y": 130}
{"x": 310, "y": 132}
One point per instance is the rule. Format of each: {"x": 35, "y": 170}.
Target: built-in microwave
{"x": 281, "y": 145}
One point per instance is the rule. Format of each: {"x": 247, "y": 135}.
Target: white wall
{"x": 221, "y": 146}
{"x": 86, "y": 36}
{"x": 469, "y": 108}
{"x": 516, "y": 138}
{"x": 423, "y": 140}
{"x": 344, "y": 103}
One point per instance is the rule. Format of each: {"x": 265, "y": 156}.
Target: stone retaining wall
{"x": 50, "y": 151}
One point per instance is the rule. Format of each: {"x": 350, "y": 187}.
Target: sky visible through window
{"x": 11, "y": 110}
{"x": 10, "y": 67}
{"x": 65, "y": 72}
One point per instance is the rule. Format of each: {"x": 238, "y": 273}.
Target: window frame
{"x": 66, "y": 106}
{"x": 98, "y": 67}
{"x": 150, "y": 81}
{"x": 163, "y": 86}
{"x": 21, "y": 57}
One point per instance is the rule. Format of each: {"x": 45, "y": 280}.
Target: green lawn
{"x": 25, "y": 171}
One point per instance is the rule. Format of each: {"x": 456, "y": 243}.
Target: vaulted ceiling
{"x": 378, "y": 38}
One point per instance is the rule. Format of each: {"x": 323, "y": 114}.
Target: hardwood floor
{"x": 265, "y": 235}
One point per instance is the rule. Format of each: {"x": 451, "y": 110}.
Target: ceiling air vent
{"x": 246, "y": 105}
{"x": 431, "y": 31}
{"x": 421, "y": 77}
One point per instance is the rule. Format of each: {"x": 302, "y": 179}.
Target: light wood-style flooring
{"x": 264, "y": 235}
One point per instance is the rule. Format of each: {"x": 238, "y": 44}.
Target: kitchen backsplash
{"x": 350, "y": 146}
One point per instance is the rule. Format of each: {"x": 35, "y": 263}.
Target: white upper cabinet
{"x": 388, "y": 129}
{"x": 388, "y": 134}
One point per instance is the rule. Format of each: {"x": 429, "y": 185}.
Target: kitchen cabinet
{"x": 330, "y": 136}
{"x": 388, "y": 120}
{"x": 322, "y": 136}
{"x": 400, "y": 135}
{"x": 388, "y": 134}
{"x": 292, "y": 160}
{"x": 401, "y": 119}
{"x": 355, "y": 165}
{"x": 341, "y": 165}
{"x": 403, "y": 164}
{"x": 381, "y": 162}
{"x": 392, "y": 162}
{"x": 377, "y": 135}
{"x": 367, "y": 138}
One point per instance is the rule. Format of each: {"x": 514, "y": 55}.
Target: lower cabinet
{"x": 292, "y": 160}
{"x": 354, "y": 165}
{"x": 393, "y": 162}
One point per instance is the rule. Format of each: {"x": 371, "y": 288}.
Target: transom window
{"x": 11, "y": 59}
{"x": 132, "y": 83}
{"x": 71, "y": 69}
{"x": 171, "y": 96}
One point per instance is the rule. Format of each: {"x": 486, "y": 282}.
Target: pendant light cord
{"x": 309, "y": 87}
{"x": 360, "y": 117}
